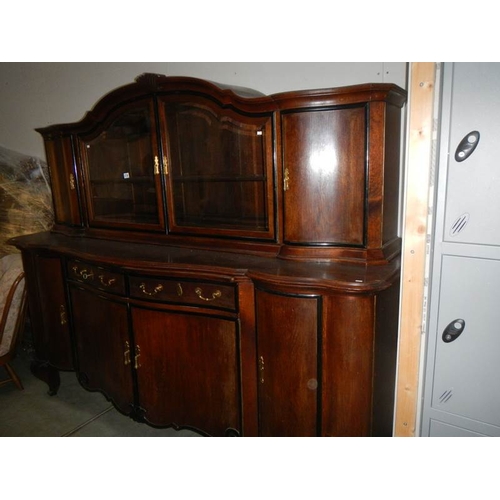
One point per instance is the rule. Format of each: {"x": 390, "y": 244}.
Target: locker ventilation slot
{"x": 459, "y": 224}
{"x": 445, "y": 396}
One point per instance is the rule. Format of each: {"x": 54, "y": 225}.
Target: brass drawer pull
{"x": 136, "y": 357}
{"x": 179, "y": 290}
{"x": 126, "y": 354}
{"x": 216, "y": 295}
{"x": 108, "y": 282}
{"x": 157, "y": 289}
{"x": 286, "y": 180}
{"x": 84, "y": 274}
{"x": 62, "y": 313}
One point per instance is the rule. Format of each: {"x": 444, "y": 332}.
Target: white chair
{"x": 12, "y": 312}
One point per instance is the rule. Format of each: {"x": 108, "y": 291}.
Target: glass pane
{"x": 121, "y": 171}
{"x": 218, "y": 168}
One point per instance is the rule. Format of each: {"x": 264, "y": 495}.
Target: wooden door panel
{"x": 287, "y": 332}
{"x": 348, "y": 364}
{"x": 63, "y": 177}
{"x": 189, "y": 373}
{"x": 324, "y": 155}
{"x": 122, "y": 170}
{"x": 220, "y": 167}
{"x": 101, "y": 334}
{"x": 53, "y": 308}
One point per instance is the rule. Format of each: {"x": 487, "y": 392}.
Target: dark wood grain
{"x": 347, "y": 367}
{"x": 54, "y": 311}
{"x": 287, "y": 340}
{"x": 325, "y": 155}
{"x": 189, "y": 370}
{"x": 100, "y": 327}
{"x": 64, "y": 174}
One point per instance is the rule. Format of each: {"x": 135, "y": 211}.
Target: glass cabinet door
{"x": 123, "y": 170}
{"x": 219, "y": 168}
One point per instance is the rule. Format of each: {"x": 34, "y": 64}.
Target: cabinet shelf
{"x": 225, "y": 178}
{"x": 257, "y": 224}
{"x": 131, "y": 180}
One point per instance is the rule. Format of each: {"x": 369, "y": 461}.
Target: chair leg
{"x": 13, "y": 376}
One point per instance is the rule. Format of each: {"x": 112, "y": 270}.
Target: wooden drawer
{"x": 204, "y": 294}
{"x": 96, "y": 276}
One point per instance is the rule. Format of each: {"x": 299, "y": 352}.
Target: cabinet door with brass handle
{"x": 105, "y": 356}
{"x": 50, "y": 321}
{"x": 168, "y": 346}
{"x": 287, "y": 364}
{"x": 205, "y": 140}
{"x": 123, "y": 175}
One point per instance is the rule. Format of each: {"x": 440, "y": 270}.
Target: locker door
{"x": 472, "y": 201}
{"x": 467, "y": 368}
{"x": 439, "y": 429}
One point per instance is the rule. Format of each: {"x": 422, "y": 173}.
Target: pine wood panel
{"x": 414, "y": 244}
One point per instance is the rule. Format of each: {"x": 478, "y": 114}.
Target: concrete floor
{"x": 72, "y": 412}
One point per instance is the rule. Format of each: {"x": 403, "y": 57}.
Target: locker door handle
{"x": 453, "y": 330}
{"x": 467, "y": 146}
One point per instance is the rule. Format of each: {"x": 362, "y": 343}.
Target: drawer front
{"x": 96, "y": 276}
{"x": 183, "y": 292}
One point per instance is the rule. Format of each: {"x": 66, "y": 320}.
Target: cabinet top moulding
{"x": 242, "y": 97}
{"x": 307, "y": 175}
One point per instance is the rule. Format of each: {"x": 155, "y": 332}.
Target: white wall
{"x": 39, "y": 94}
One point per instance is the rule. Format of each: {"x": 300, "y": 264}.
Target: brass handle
{"x": 136, "y": 358}
{"x": 84, "y": 274}
{"x": 216, "y": 295}
{"x": 62, "y": 313}
{"x": 156, "y": 289}
{"x": 165, "y": 165}
{"x": 126, "y": 354}
{"x": 179, "y": 290}
{"x": 72, "y": 185}
{"x": 286, "y": 180}
{"x": 109, "y": 282}
{"x": 157, "y": 165}
{"x": 261, "y": 369}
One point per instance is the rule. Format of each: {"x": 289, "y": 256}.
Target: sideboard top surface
{"x": 325, "y": 276}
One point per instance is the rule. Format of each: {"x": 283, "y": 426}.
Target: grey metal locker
{"x": 473, "y": 186}
{"x": 461, "y": 390}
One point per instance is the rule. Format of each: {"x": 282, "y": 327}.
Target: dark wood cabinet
{"x": 223, "y": 260}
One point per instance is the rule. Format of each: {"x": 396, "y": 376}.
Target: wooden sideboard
{"x": 223, "y": 260}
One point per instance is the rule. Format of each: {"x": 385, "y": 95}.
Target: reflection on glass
{"x": 218, "y": 168}
{"x": 120, "y": 161}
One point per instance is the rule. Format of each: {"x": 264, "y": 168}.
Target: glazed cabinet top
{"x": 308, "y": 175}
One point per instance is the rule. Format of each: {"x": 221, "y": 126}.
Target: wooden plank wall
{"x": 418, "y": 168}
